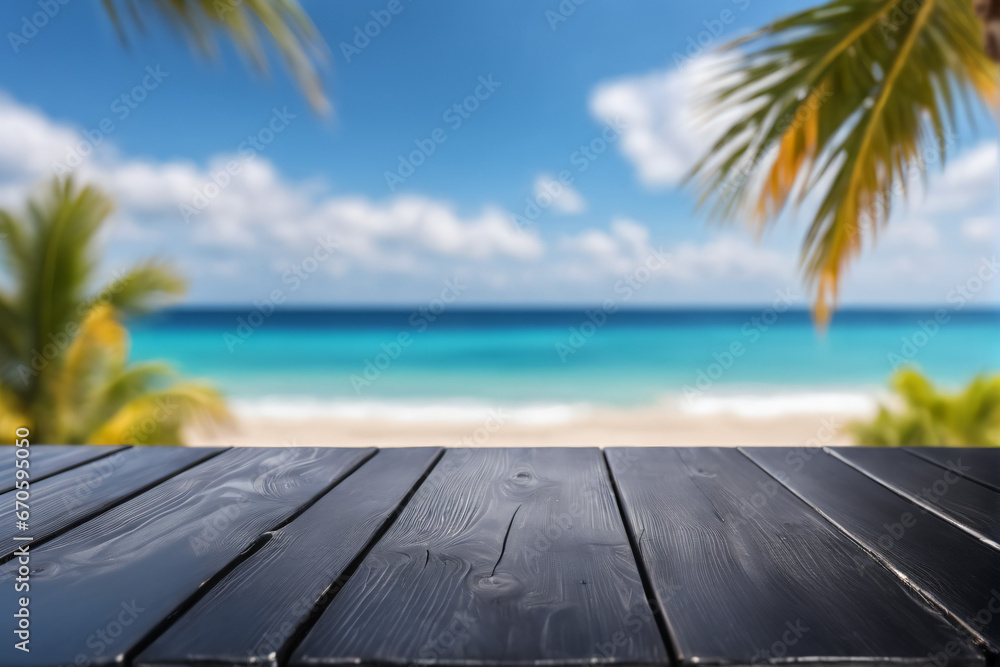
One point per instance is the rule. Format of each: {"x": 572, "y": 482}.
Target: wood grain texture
{"x": 249, "y": 616}
{"x": 47, "y": 460}
{"x": 98, "y": 590}
{"x": 746, "y": 572}
{"x": 944, "y": 490}
{"x": 89, "y": 489}
{"x": 503, "y": 555}
{"x": 958, "y": 572}
{"x": 984, "y": 462}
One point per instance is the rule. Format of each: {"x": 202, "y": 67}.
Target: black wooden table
{"x": 649, "y": 556}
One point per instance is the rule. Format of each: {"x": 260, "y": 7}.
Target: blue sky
{"x": 322, "y": 181}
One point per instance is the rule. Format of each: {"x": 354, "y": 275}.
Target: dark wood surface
{"x": 280, "y": 557}
{"x": 746, "y": 571}
{"x": 73, "y": 496}
{"x": 259, "y": 608}
{"x": 982, "y": 463}
{"x": 944, "y": 491}
{"x": 132, "y": 567}
{"x": 47, "y": 460}
{"x": 517, "y": 555}
{"x": 957, "y": 572}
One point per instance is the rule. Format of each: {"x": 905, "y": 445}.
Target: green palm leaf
{"x": 926, "y": 416}
{"x": 846, "y": 102}
{"x": 292, "y": 32}
{"x": 64, "y": 368}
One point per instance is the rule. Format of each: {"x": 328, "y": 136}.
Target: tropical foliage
{"x": 292, "y": 32}
{"x": 64, "y": 370}
{"x": 845, "y": 104}
{"x": 928, "y": 416}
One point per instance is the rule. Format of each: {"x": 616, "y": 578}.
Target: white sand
{"x": 603, "y": 427}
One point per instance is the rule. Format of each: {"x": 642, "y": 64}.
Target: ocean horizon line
{"x": 530, "y": 308}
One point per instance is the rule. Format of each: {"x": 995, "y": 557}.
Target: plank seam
{"x": 120, "y": 448}
{"x": 655, "y": 607}
{"x": 115, "y": 503}
{"x": 327, "y": 597}
{"x": 929, "y": 598}
{"x": 919, "y": 502}
{"x": 223, "y": 572}
{"x": 961, "y": 474}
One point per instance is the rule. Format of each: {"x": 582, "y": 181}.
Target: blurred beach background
{"x": 506, "y": 376}
{"x": 454, "y": 223}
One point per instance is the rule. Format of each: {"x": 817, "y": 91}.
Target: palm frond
{"x": 161, "y": 417}
{"x": 143, "y": 288}
{"x": 845, "y": 103}
{"x": 291, "y": 30}
{"x": 929, "y": 417}
{"x": 64, "y": 368}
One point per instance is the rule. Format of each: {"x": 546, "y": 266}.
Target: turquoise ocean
{"x": 369, "y": 363}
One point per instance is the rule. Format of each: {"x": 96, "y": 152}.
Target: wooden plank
{"x": 745, "y": 572}
{"x": 47, "y": 460}
{"x": 942, "y": 490}
{"x": 502, "y": 555}
{"x": 83, "y": 492}
{"x": 254, "y": 612}
{"x": 984, "y": 462}
{"x": 97, "y": 591}
{"x": 958, "y": 572}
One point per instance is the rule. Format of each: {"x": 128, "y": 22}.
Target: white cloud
{"x": 664, "y": 134}
{"x": 615, "y": 252}
{"x": 913, "y": 233}
{"x": 565, "y": 198}
{"x": 29, "y": 142}
{"x": 399, "y": 248}
{"x": 730, "y": 258}
{"x": 968, "y": 181}
{"x": 981, "y": 229}
{"x": 256, "y": 208}
{"x": 722, "y": 259}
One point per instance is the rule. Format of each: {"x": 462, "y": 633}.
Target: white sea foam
{"x": 444, "y": 411}
{"x": 769, "y": 406}
{"x": 746, "y": 403}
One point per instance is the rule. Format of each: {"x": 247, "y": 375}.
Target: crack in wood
{"x": 503, "y": 547}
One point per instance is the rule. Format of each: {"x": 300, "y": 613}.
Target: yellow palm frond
{"x": 12, "y": 417}
{"x": 161, "y": 417}
{"x": 64, "y": 368}
{"x": 846, "y": 103}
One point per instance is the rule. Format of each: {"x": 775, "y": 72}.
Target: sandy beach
{"x": 603, "y": 427}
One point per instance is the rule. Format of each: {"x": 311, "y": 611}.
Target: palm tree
{"x": 843, "y": 103}
{"x": 294, "y": 35}
{"x": 969, "y": 418}
{"x": 63, "y": 352}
